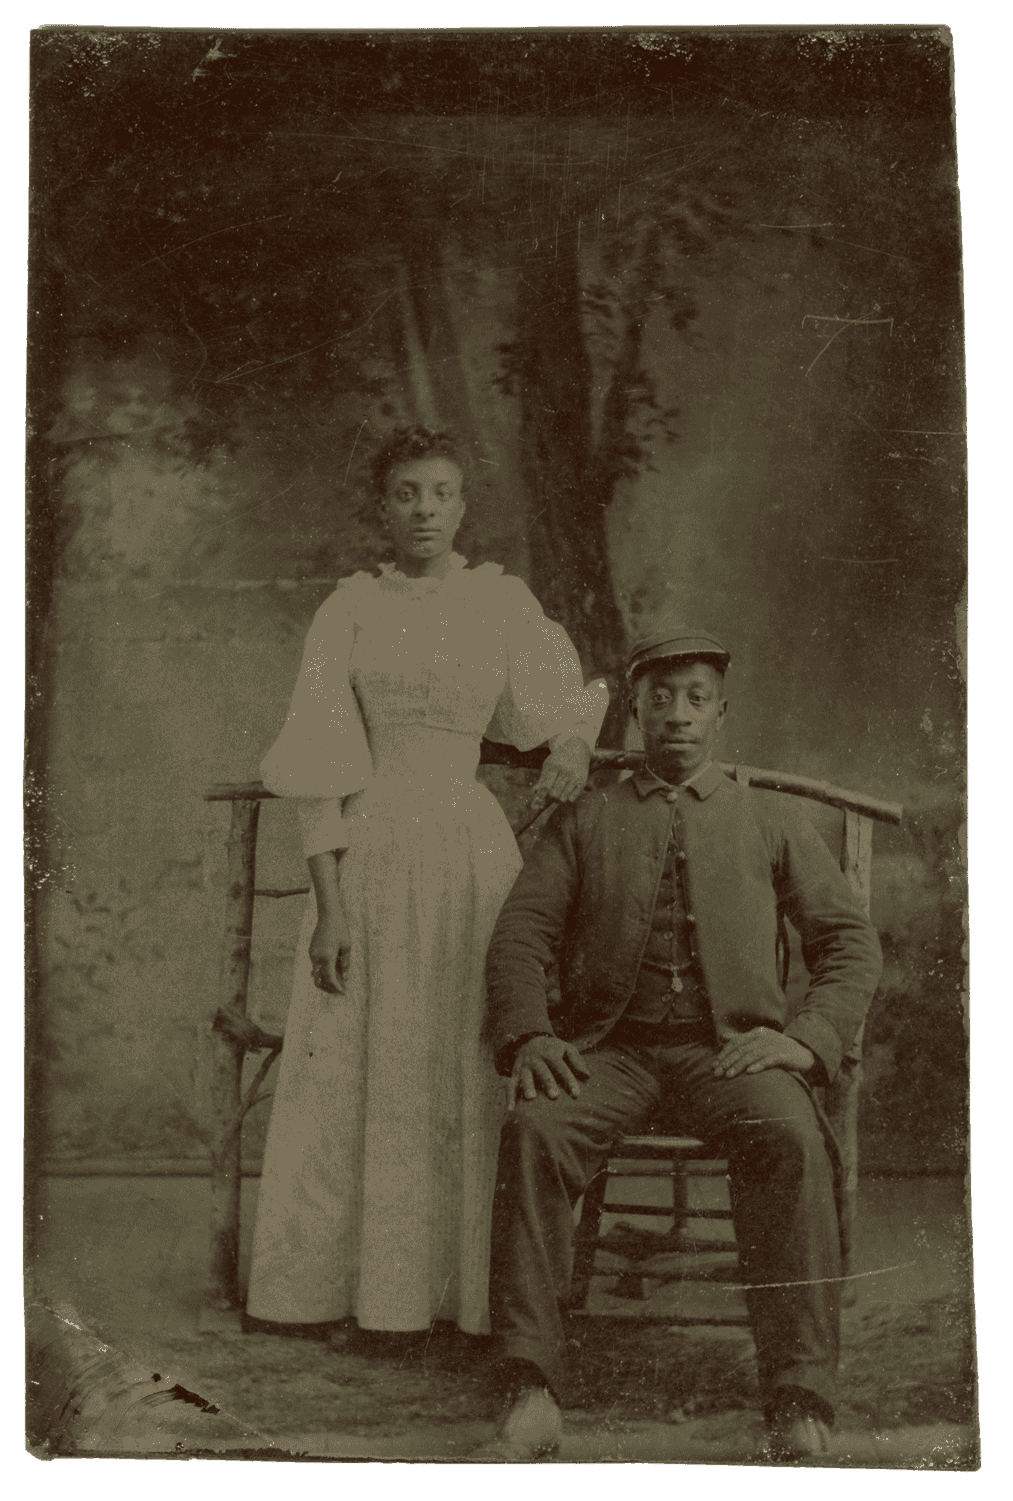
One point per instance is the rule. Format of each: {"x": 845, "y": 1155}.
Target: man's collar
{"x": 703, "y": 782}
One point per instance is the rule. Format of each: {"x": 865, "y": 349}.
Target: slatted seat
{"x": 633, "y": 1157}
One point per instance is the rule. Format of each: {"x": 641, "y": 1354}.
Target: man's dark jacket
{"x": 587, "y": 892}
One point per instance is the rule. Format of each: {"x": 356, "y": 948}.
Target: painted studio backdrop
{"x": 694, "y": 300}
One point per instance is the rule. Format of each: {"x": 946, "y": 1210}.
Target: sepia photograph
{"x": 495, "y": 774}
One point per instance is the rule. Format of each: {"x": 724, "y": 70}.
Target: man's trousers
{"x": 782, "y": 1191}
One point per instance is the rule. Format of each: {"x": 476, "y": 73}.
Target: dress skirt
{"x": 376, "y": 1193}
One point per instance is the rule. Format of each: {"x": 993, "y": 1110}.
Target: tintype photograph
{"x": 497, "y": 945}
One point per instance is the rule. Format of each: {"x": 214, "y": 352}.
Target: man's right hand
{"x": 545, "y": 1063}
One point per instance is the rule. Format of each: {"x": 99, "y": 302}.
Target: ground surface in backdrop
{"x": 130, "y": 1256}
{"x": 901, "y": 1364}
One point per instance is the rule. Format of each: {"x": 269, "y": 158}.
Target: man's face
{"x": 679, "y": 708}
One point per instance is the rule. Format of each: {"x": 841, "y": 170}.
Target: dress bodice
{"x": 433, "y": 656}
{"x": 390, "y": 658}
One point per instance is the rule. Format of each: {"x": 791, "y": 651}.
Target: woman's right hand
{"x": 329, "y": 950}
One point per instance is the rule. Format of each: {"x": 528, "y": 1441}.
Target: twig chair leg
{"x": 226, "y": 1086}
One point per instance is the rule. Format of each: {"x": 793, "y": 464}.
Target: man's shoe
{"x": 798, "y": 1436}
{"x": 531, "y": 1429}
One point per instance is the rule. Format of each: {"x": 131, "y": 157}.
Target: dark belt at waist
{"x": 665, "y": 1034}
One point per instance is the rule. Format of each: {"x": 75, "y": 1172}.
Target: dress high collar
{"x": 392, "y": 577}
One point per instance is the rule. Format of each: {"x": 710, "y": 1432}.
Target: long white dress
{"x": 376, "y": 1193}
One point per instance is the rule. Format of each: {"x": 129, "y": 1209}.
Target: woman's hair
{"x": 405, "y": 444}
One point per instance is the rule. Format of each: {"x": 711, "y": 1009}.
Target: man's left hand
{"x": 564, "y": 773}
{"x": 751, "y": 1052}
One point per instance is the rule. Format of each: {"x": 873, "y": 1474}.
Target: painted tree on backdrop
{"x": 280, "y": 220}
{"x": 232, "y": 206}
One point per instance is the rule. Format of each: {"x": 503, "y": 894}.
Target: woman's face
{"x": 424, "y": 507}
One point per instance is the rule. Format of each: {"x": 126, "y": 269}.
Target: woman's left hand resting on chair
{"x": 760, "y": 1048}
{"x": 564, "y": 773}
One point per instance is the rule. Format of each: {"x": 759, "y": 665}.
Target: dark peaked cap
{"x": 667, "y": 638}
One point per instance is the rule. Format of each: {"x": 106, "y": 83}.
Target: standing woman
{"x": 376, "y": 1193}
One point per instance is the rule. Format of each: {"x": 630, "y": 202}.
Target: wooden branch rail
{"x": 242, "y": 1030}
{"x": 234, "y": 1034}
{"x": 249, "y": 1038}
{"x": 494, "y": 754}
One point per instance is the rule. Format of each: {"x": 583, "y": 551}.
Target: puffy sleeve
{"x": 545, "y": 698}
{"x": 322, "y": 755}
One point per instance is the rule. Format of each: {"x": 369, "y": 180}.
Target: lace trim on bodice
{"x": 391, "y": 577}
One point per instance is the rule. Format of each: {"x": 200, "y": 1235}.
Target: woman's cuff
{"x": 321, "y": 825}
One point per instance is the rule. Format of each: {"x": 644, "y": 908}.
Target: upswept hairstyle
{"x": 405, "y": 444}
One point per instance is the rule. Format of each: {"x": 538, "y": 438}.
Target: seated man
{"x": 659, "y": 898}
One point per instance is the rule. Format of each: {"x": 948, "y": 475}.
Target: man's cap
{"x": 666, "y": 639}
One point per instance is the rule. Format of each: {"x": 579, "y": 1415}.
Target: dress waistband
{"x": 422, "y": 753}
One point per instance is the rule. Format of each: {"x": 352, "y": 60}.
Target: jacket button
{"x": 690, "y": 919}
